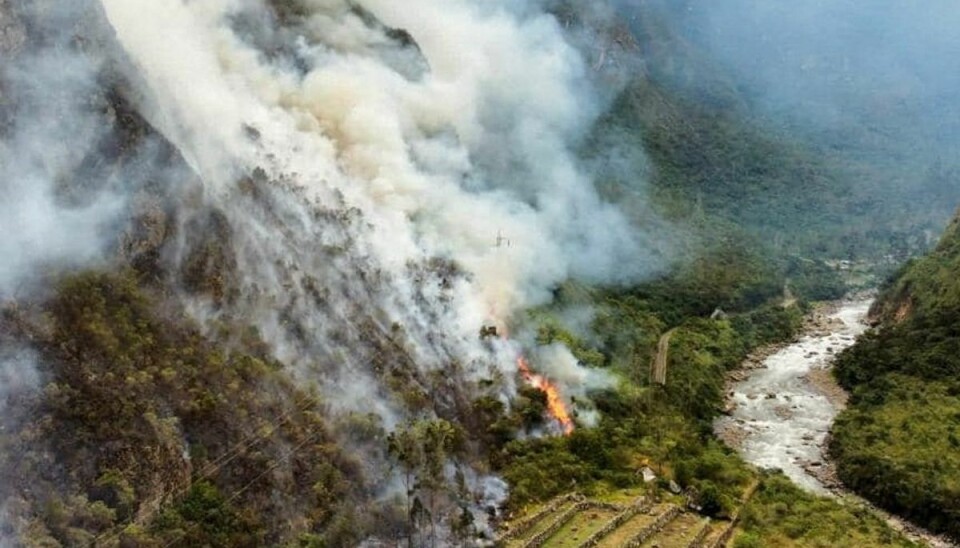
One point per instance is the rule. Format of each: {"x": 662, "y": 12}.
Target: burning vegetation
{"x": 556, "y": 407}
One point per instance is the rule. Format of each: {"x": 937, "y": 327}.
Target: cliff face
{"x": 923, "y": 285}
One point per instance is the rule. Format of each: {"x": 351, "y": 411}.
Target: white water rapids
{"x": 784, "y": 406}
{"x": 781, "y": 418}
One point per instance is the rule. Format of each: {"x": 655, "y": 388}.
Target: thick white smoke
{"x": 481, "y": 144}
{"x": 437, "y": 162}
{"x": 42, "y": 230}
{"x": 383, "y": 194}
{"x": 376, "y": 173}
{"x": 562, "y": 367}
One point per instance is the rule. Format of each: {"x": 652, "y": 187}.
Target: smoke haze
{"x": 46, "y": 220}
{"x": 378, "y": 181}
{"x": 870, "y": 74}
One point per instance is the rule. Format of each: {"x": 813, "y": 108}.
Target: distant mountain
{"x": 875, "y": 182}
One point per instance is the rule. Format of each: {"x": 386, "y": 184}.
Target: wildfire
{"x": 555, "y": 405}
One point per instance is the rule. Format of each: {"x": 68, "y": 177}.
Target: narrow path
{"x": 658, "y": 369}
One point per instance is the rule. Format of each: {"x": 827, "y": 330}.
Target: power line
{"x": 217, "y": 464}
{"x": 277, "y": 463}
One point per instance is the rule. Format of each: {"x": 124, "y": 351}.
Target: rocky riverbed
{"x": 781, "y": 404}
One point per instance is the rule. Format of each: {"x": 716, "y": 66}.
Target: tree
{"x": 422, "y": 450}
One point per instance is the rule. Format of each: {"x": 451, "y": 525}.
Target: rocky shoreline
{"x": 817, "y": 323}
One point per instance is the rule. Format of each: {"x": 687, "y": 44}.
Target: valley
{"x": 789, "y": 431}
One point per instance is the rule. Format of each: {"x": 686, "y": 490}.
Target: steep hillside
{"x": 898, "y": 443}
{"x": 923, "y": 286}
{"x": 146, "y": 433}
{"x": 143, "y": 400}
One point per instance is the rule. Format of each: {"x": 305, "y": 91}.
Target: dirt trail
{"x": 658, "y": 369}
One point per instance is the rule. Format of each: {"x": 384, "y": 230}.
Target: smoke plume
{"x": 376, "y": 182}
{"x": 49, "y": 217}
{"x": 380, "y": 152}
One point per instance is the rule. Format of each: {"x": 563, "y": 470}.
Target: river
{"x": 783, "y": 403}
{"x": 780, "y": 414}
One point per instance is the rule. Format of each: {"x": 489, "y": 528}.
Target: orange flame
{"x": 555, "y": 405}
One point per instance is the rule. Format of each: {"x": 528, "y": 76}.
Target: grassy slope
{"x": 927, "y": 286}
{"x": 782, "y": 515}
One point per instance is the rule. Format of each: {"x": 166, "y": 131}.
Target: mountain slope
{"x": 141, "y": 401}
{"x": 898, "y": 443}
{"x": 800, "y": 189}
